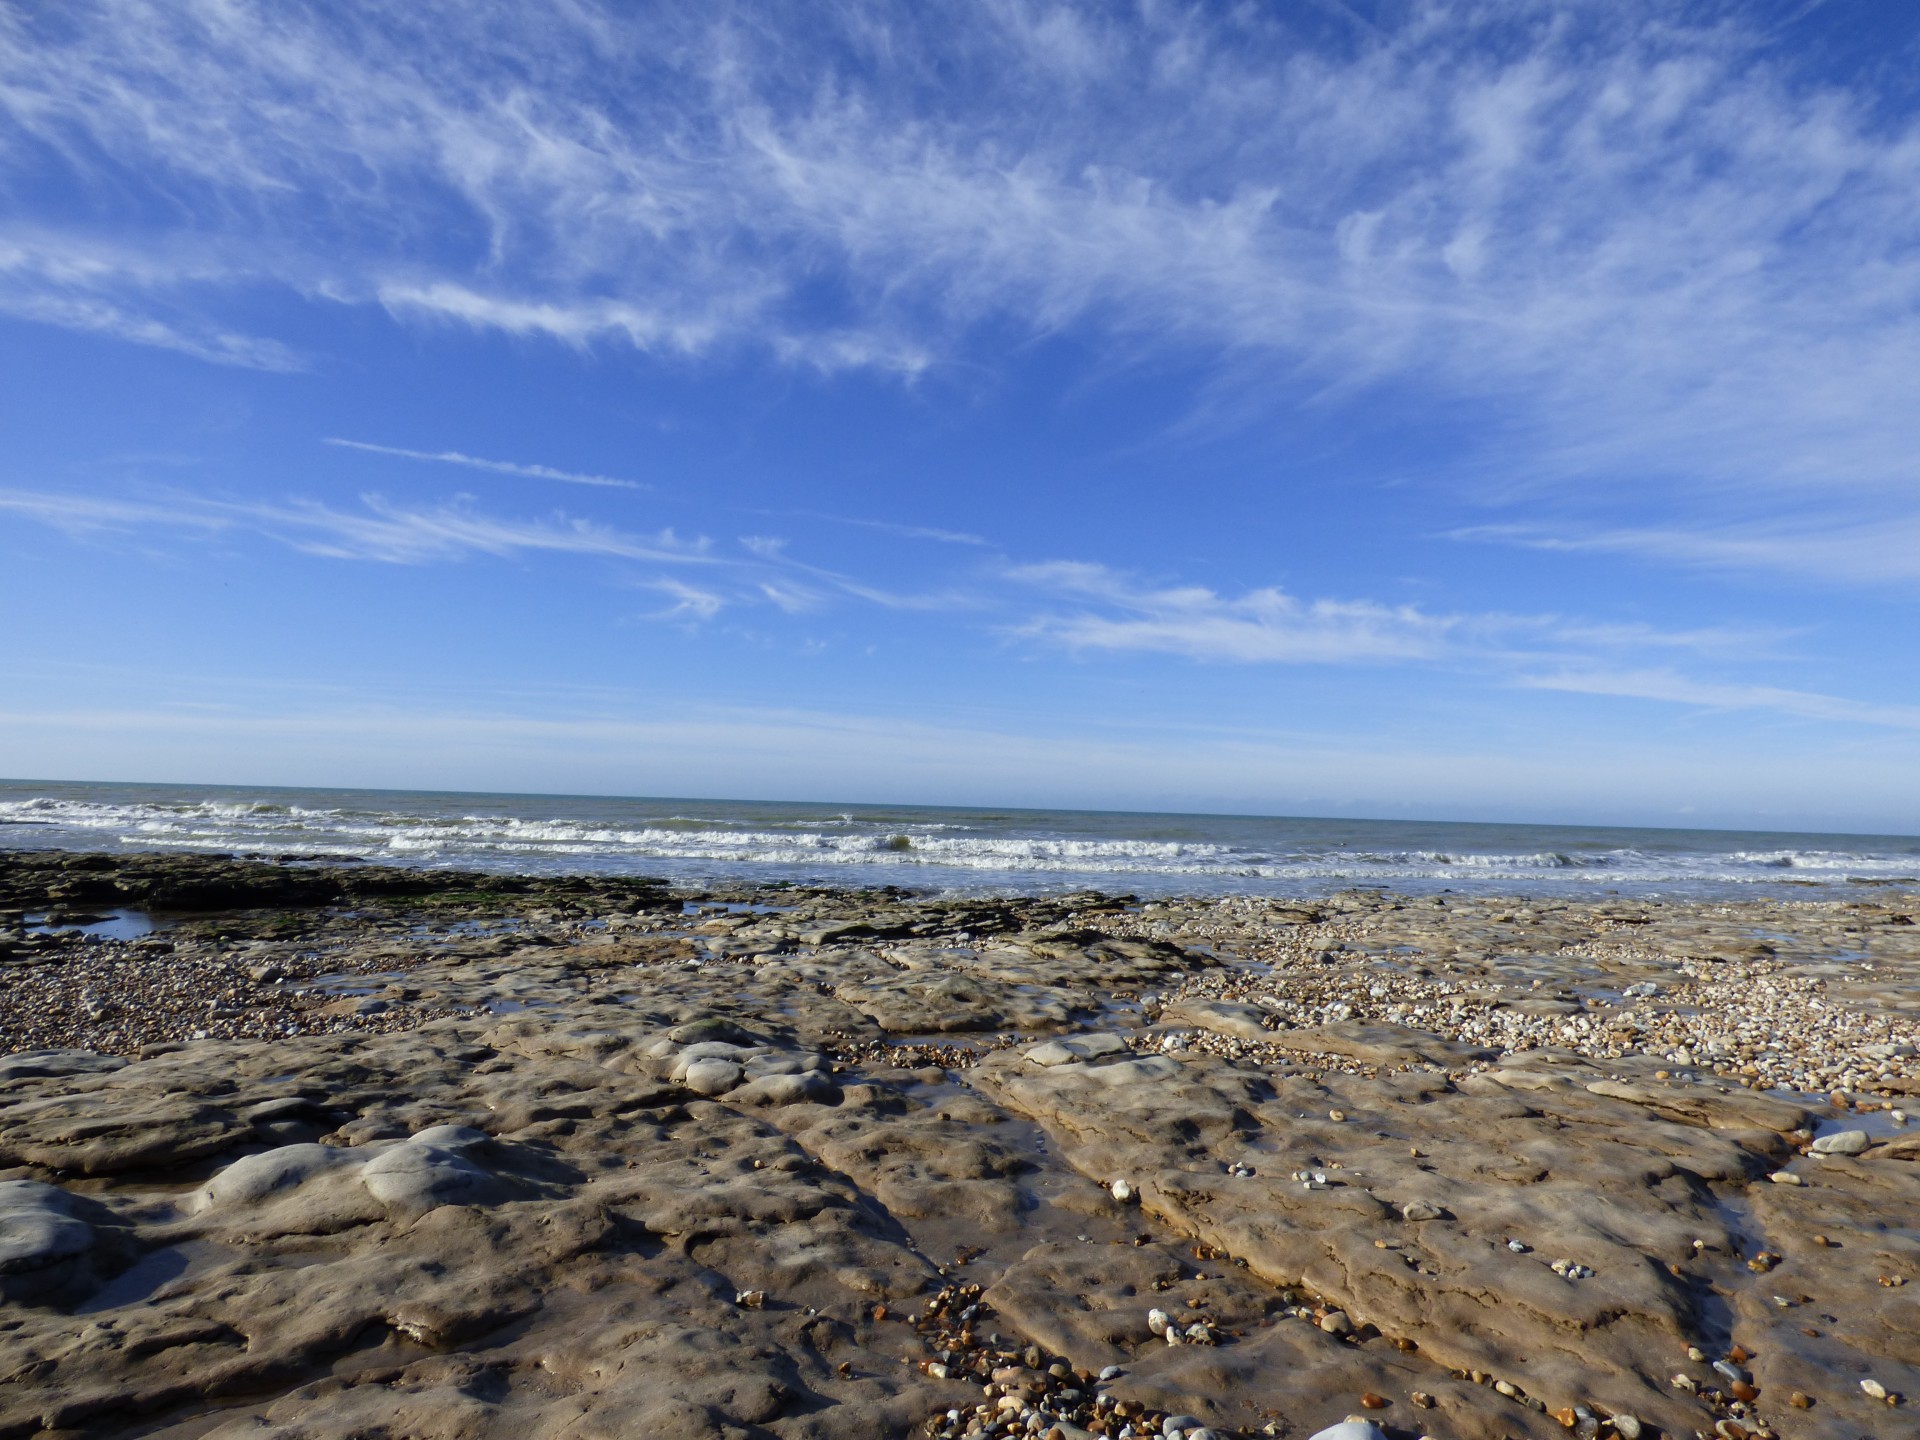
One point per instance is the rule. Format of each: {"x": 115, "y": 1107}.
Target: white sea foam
{"x": 940, "y": 848}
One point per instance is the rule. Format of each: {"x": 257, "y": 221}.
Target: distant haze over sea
{"x": 941, "y": 848}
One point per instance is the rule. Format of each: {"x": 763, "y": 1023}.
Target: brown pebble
{"x": 1375, "y": 1402}
{"x": 1800, "y": 1400}
{"x": 1743, "y": 1391}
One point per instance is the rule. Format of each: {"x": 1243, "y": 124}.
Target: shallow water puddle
{"x": 107, "y": 925}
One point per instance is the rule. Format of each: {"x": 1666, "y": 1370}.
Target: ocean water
{"x": 941, "y": 849}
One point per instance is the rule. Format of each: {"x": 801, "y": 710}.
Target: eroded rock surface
{"x": 581, "y": 1159}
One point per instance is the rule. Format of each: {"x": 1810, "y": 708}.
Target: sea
{"x": 943, "y": 849}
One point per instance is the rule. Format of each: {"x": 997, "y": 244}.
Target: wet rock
{"x": 43, "y": 1246}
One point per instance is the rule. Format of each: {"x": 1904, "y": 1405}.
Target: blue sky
{"x": 1462, "y": 410}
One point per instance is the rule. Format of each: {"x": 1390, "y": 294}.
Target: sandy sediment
{"x": 358, "y": 1152}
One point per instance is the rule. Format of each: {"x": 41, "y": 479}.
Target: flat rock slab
{"x": 1223, "y": 1017}
{"x": 1071, "y": 1048}
{"x": 929, "y": 1002}
{"x": 1384, "y": 1045}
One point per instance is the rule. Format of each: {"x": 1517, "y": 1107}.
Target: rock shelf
{"x": 348, "y": 1151}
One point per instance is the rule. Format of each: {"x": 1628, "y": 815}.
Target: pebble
{"x": 1356, "y": 1429}
{"x": 1749, "y": 1014}
{"x": 1843, "y": 1142}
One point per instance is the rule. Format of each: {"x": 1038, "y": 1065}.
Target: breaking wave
{"x": 927, "y": 847}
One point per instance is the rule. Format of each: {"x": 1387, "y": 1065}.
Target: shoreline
{"x": 1516, "y": 1162}
{"x": 955, "y": 850}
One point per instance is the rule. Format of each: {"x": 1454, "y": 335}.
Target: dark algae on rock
{"x": 340, "y": 1150}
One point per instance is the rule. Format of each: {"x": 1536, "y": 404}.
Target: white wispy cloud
{"x": 790, "y": 597}
{"x": 501, "y": 467}
{"x": 1664, "y": 685}
{"x": 1265, "y": 625}
{"x": 110, "y": 290}
{"x": 575, "y": 322}
{"x": 689, "y": 602}
{"x": 1642, "y": 242}
{"x": 891, "y": 527}
{"x": 1120, "y": 611}
{"x": 915, "y": 532}
{"x": 1095, "y": 608}
{"x": 381, "y": 531}
{"x": 800, "y": 579}
{"x": 1884, "y": 549}
{"x": 385, "y": 531}
{"x": 127, "y": 292}
{"x": 1537, "y": 652}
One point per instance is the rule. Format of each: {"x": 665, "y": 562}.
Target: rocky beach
{"x": 314, "y": 1149}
